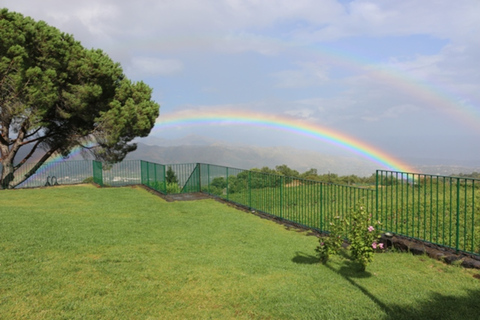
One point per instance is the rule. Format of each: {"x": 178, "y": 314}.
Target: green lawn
{"x": 122, "y": 253}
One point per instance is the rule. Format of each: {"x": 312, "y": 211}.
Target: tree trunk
{"x": 8, "y": 169}
{"x": 7, "y": 175}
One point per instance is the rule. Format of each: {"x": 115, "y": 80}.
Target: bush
{"x": 88, "y": 180}
{"x": 331, "y": 243}
{"x": 173, "y": 188}
{"x": 362, "y": 234}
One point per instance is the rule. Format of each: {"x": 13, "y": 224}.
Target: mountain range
{"x": 197, "y": 149}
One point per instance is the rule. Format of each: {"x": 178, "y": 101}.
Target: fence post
{"x": 321, "y": 206}
{"x": 164, "y": 178}
{"x": 458, "y": 216}
{"x": 155, "y": 184}
{"x": 227, "y": 184}
{"x": 281, "y": 195}
{"x": 250, "y": 189}
{"x": 199, "y": 177}
{"x": 376, "y": 194}
{"x": 208, "y": 178}
{"x": 97, "y": 172}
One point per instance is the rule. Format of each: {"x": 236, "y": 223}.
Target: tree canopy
{"x": 56, "y": 95}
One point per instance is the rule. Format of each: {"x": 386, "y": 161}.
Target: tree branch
{"x": 33, "y": 133}
{"x": 3, "y": 141}
{"x": 36, "y": 139}
{"x": 28, "y": 155}
{"x": 36, "y": 166}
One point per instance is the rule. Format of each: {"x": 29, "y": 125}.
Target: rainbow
{"x": 307, "y": 129}
{"x": 57, "y": 158}
{"x": 435, "y": 96}
{"x": 438, "y": 97}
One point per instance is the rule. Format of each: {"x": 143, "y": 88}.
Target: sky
{"x": 402, "y": 77}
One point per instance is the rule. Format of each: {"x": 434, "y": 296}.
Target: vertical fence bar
{"x": 457, "y": 239}
{"x": 465, "y": 210}
{"x": 227, "y": 185}
{"x": 97, "y": 172}
{"x": 249, "y": 189}
{"x": 282, "y": 179}
{"x": 472, "y": 248}
{"x": 321, "y": 207}
{"x": 376, "y": 193}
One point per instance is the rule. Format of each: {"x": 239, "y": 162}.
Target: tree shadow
{"x": 352, "y": 270}
{"x": 440, "y": 306}
{"x": 303, "y": 258}
{"x": 437, "y": 306}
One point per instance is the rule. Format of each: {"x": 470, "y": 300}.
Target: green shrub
{"x": 88, "y": 180}
{"x": 173, "y": 187}
{"x": 362, "y": 234}
{"x": 331, "y": 243}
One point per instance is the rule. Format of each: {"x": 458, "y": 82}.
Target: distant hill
{"x": 193, "y": 149}
{"x": 205, "y": 150}
{"x": 245, "y": 157}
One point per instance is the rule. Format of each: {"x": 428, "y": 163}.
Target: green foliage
{"x": 311, "y": 174}
{"x": 363, "y": 236}
{"x": 218, "y": 185}
{"x": 171, "y": 177}
{"x": 474, "y": 175}
{"x": 88, "y": 180}
{"x": 173, "y": 188}
{"x": 56, "y": 95}
{"x": 286, "y": 171}
{"x": 331, "y": 243}
{"x": 261, "y": 178}
{"x": 236, "y": 184}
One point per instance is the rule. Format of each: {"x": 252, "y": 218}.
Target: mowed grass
{"x": 123, "y": 253}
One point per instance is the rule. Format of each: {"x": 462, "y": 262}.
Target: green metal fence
{"x": 97, "y": 173}
{"x": 53, "y": 173}
{"x": 153, "y": 176}
{"x": 309, "y": 203}
{"x": 437, "y": 209}
{"x": 192, "y": 184}
{"x": 125, "y": 173}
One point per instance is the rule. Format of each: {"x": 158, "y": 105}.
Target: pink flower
{"x": 374, "y": 245}
{"x": 370, "y": 229}
{"x": 380, "y": 245}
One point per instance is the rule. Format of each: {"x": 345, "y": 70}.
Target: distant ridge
{"x": 247, "y": 157}
{"x": 195, "y": 148}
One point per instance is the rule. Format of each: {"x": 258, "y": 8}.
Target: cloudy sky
{"x": 400, "y": 76}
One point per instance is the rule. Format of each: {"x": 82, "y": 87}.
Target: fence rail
{"x": 437, "y": 209}
{"x": 63, "y": 172}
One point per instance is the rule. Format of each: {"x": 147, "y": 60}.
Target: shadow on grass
{"x": 440, "y": 306}
{"x": 304, "y": 258}
{"x": 437, "y": 306}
